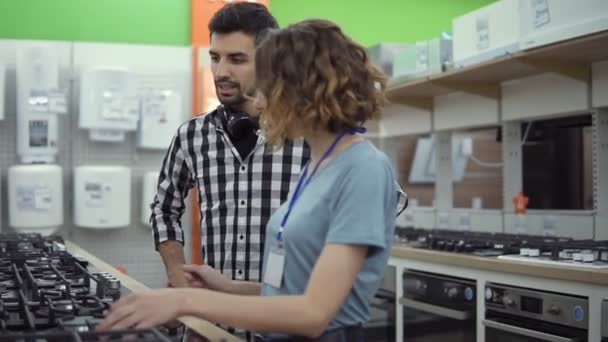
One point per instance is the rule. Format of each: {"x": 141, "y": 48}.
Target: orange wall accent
{"x": 203, "y": 91}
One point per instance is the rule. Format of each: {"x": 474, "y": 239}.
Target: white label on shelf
{"x": 541, "y": 13}
{"x": 520, "y": 224}
{"x": 483, "y": 32}
{"x": 131, "y": 109}
{"x": 38, "y": 101}
{"x": 94, "y": 194}
{"x": 58, "y": 102}
{"x": 25, "y": 198}
{"x": 34, "y": 198}
{"x": 112, "y": 107}
{"x": 43, "y": 198}
{"x": 444, "y": 220}
{"x": 422, "y": 62}
{"x": 549, "y": 225}
{"x": 464, "y": 221}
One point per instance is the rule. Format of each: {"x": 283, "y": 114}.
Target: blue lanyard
{"x": 303, "y": 181}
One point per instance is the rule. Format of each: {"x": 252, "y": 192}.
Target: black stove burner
{"x": 47, "y": 295}
{"x": 491, "y": 244}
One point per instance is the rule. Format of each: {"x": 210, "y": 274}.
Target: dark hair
{"x": 313, "y": 74}
{"x": 248, "y": 17}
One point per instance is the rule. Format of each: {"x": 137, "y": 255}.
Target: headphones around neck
{"x": 238, "y": 124}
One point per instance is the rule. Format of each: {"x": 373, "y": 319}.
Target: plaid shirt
{"x": 236, "y": 196}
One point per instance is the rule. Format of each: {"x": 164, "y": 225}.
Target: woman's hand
{"x": 204, "y": 276}
{"x": 144, "y": 310}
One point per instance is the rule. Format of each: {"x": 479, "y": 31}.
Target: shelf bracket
{"x": 489, "y": 90}
{"x": 420, "y": 102}
{"x": 574, "y": 70}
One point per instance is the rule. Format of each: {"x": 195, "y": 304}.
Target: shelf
{"x": 570, "y": 58}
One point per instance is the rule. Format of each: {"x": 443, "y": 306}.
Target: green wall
{"x": 167, "y": 22}
{"x": 371, "y": 22}
{"x": 163, "y": 22}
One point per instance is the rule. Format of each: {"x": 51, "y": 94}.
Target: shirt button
{"x": 241, "y": 237}
{"x": 240, "y": 272}
{"x": 243, "y": 168}
{"x": 243, "y": 202}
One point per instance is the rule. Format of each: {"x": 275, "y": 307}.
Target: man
{"x": 240, "y": 179}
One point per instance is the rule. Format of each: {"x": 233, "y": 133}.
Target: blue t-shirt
{"x": 352, "y": 200}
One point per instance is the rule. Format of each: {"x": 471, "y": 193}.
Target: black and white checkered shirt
{"x": 236, "y": 196}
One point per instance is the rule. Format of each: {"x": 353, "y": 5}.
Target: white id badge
{"x": 273, "y": 275}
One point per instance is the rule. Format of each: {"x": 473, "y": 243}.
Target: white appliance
{"x": 37, "y": 138}
{"x": 382, "y": 55}
{"x": 35, "y": 195}
{"x": 486, "y": 33}
{"x": 423, "y": 165}
{"x": 161, "y": 112}
{"x": 150, "y": 181}
{"x": 102, "y": 196}
{"x": 37, "y": 83}
{"x": 548, "y": 21}
{"x": 425, "y": 57}
{"x": 109, "y": 102}
{"x": 2, "y": 81}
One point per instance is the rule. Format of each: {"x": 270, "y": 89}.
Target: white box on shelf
{"x": 109, "y": 100}
{"x": 35, "y": 198}
{"x": 486, "y": 33}
{"x": 37, "y": 79}
{"x": 37, "y": 137}
{"x": 424, "y": 58}
{"x": 161, "y": 115}
{"x": 383, "y": 55}
{"x": 549, "y": 21}
{"x": 102, "y": 197}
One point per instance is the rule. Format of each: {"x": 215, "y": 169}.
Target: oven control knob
{"x": 578, "y": 313}
{"x": 554, "y": 310}
{"x": 507, "y": 301}
{"x": 489, "y": 293}
{"x": 420, "y": 286}
{"x": 469, "y": 294}
{"x": 452, "y": 292}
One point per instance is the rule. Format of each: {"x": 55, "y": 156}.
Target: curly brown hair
{"x": 314, "y": 76}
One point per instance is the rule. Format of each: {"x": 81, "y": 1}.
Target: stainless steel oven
{"x": 517, "y": 314}
{"x": 381, "y": 324}
{"x": 438, "y": 308}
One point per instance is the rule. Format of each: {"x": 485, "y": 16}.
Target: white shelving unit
{"x": 566, "y": 78}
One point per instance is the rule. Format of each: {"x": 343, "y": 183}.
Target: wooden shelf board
{"x": 570, "y": 58}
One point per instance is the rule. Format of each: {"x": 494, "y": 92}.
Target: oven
{"x": 381, "y": 325}
{"x": 438, "y": 308}
{"x": 517, "y": 314}
{"x": 605, "y": 321}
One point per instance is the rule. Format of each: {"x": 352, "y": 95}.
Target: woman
{"x": 326, "y": 248}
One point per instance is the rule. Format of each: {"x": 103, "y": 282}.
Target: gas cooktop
{"x": 526, "y": 248}
{"x": 46, "y": 294}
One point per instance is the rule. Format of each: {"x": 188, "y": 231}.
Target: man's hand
{"x": 172, "y": 253}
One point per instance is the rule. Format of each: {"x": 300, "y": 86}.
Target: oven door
{"x": 519, "y": 329}
{"x": 605, "y": 321}
{"x": 381, "y": 324}
{"x": 425, "y": 322}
